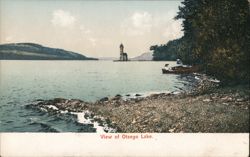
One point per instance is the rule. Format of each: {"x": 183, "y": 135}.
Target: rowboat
{"x": 180, "y": 69}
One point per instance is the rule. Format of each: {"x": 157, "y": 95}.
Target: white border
{"x": 91, "y": 144}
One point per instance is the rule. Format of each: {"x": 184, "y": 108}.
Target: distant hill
{"x": 148, "y": 56}
{"x": 31, "y": 51}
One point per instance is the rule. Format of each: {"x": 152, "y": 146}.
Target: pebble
{"x": 239, "y": 100}
{"x": 225, "y": 103}
{"x": 207, "y": 100}
{"x": 171, "y": 130}
{"x": 227, "y": 98}
{"x": 133, "y": 121}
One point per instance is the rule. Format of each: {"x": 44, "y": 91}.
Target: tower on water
{"x": 123, "y": 55}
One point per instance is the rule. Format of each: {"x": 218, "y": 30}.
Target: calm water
{"x": 22, "y": 82}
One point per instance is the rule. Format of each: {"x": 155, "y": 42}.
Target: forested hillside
{"x": 216, "y": 36}
{"x": 31, "y": 51}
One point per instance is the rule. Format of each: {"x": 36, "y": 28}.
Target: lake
{"x": 23, "y": 82}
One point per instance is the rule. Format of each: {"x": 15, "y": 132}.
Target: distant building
{"x": 123, "y": 56}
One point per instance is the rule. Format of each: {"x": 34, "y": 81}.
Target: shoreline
{"x": 207, "y": 109}
{"x": 222, "y": 111}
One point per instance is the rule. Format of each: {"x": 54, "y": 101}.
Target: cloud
{"x": 92, "y": 41}
{"x": 63, "y": 18}
{"x": 9, "y": 39}
{"x": 173, "y": 30}
{"x": 137, "y": 24}
{"x": 85, "y": 30}
{"x": 87, "y": 35}
{"x": 146, "y": 24}
{"x": 142, "y": 20}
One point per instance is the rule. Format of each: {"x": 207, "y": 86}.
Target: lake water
{"x": 22, "y": 82}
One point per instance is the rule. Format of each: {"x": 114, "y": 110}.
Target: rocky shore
{"x": 208, "y": 109}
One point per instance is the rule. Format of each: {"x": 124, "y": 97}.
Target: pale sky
{"x": 92, "y": 28}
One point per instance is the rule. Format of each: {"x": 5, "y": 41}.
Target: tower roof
{"x": 121, "y": 45}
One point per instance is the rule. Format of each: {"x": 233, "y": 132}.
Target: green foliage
{"x": 217, "y": 36}
{"x": 168, "y": 52}
{"x": 173, "y": 50}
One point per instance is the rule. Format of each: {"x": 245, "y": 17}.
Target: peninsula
{"x": 32, "y": 51}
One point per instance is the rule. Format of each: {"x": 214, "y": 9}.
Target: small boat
{"x": 182, "y": 69}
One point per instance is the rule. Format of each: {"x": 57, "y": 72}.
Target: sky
{"x": 92, "y": 28}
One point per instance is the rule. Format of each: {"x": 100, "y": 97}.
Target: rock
{"x": 104, "y": 99}
{"x": 138, "y": 95}
{"x": 155, "y": 120}
{"x": 127, "y": 94}
{"x": 92, "y": 115}
{"x": 225, "y": 103}
{"x": 108, "y": 121}
{"x": 176, "y": 92}
{"x": 240, "y": 100}
{"x": 171, "y": 130}
{"x": 207, "y": 100}
{"x": 39, "y": 100}
{"x": 133, "y": 121}
{"x": 154, "y": 95}
{"x": 137, "y": 100}
{"x": 78, "y": 100}
{"x": 227, "y": 98}
{"x": 59, "y": 100}
{"x": 75, "y": 102}
{"x": 40, "y": 103}
{"x": 117, "y": 97}
{"x": 167, "y": 94}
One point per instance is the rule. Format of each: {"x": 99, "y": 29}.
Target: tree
{"x": 216, "y": 35}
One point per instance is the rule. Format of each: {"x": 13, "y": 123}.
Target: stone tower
{"x": 121, "y": 48}
{"x": 123, "y": 56}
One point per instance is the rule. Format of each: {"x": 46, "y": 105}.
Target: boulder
{"x": 59, "y": 100}
{"x": 104, "y": 99}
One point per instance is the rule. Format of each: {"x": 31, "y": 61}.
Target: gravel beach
{"x": 225, "y": 110}
{"x": 213, "y": 110}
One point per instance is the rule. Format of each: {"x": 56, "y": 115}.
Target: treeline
{"x": 217, "y": 37}
{"x": 173, "y": 50}
{"x": 168, "y": 51}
